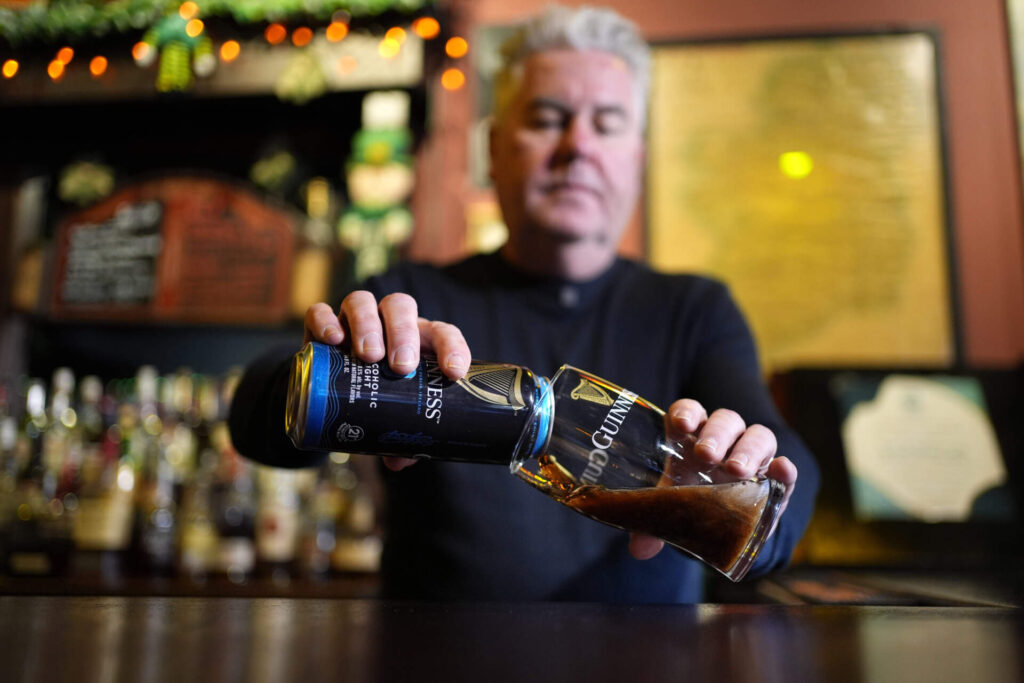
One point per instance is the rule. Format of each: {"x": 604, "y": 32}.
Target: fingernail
{"x": 739, "y": 459}
{"x": 708, "y": 445}
{"x": 372, "y": 343}
{"x": 404, "y": 356}
{"x": 332, "y": 335}
{"x": 684, "y": 416}
{"x": 456, "y": 362}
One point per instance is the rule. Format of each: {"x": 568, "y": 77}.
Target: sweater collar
{"x": 558, "y": 294}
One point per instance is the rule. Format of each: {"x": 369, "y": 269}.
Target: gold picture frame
{"x": 808, "y": 174}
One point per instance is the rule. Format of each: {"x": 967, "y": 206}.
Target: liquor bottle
{"x": 39, "y": 541}
{"x": 8, "y": 471}
{"x": 102, "y": 522}
{"x": 277, "y": 522}
{"x": 155, "y": 506}
{"x": 321, "y": 511}
{"x": 358, "y": 544}
{"x": 178, "y": 424}
{"x": 198, "y": 538}
{"x": 234, "y": 508}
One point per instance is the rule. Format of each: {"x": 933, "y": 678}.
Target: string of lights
{"x": 188, "y": 39}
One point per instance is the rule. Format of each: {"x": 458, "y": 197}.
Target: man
{"x": 567, "y": 153}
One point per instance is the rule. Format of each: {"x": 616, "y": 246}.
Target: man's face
{"x": 566, "y": 156}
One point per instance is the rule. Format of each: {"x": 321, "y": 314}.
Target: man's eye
{"x": 610, "y": 123}
{"x": 546, "y": 119}
{"x": 545, "y": 122}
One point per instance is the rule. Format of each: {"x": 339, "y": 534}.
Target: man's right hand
{"x": 392, "y": 327}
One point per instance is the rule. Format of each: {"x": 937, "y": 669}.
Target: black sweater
{"x": 458, "y": 531}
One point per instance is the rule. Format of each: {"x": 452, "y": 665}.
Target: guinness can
{"x": 337, "y": 402}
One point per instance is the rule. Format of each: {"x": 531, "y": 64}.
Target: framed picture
{"x": 808, "y": 174}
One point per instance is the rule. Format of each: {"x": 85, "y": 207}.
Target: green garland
{"x": 77, "y": 20}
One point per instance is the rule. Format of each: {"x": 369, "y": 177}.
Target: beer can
{"x": 337, "y": 402}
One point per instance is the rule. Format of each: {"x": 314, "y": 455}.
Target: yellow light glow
{"x": 140, "y": 50}
{"x": 10, "y": 68}
{"x": 389, "y": 48}
{"x": 453, "y": 79}
{"x": 395, "y": 33}
{"x": 456, "y": 47}
{"x": 188, "y": 10}
{"x": 426, "y": 27}
{"x": 275, "y": 34}
{"x": 230, "y": 50}
{"x": 302, "y": 36}
{"x": 125, "y": 478}
{"x": 98, "y": 66}
{"x": 347, "y": 64}
{"x": 796, "y": 165}
{"x": 336, "y": 31}
{"x": 194, "y": 27}
{"x": 56, "y": 69}
{"x": 65, "y": 54}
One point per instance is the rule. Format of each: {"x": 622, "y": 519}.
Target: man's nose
{"x": 578, "y": 137}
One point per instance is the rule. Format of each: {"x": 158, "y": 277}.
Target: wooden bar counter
{"x": 134, "y": 638}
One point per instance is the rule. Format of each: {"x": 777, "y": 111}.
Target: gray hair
{"x": 583, "y": 28}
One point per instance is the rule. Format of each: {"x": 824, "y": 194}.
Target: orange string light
{"x": 456, "y": 47}
{"x": 194, "y": 27}
{"x": 275, "y": 34}
{"x": 336, "y": 31}
{"x": 426, "y": 27}
{"x": 98, "y": 66}
{"x": 65, "y": 55}
{"x": 55, "y": 70}
{"x": 188, "y": 10}
{"x": 302, "y": 36}
{"x": 395, "y": 33}
{"x": 10, "y": 68}
{"x": 453, "y": 79}
{"x": 230, "y": 50}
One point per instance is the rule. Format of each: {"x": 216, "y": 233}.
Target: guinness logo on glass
{"x": 588, "y": 391}
{"x": 495, "y": 383}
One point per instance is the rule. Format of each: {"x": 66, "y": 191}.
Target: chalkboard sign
{"x": 177, "y": 249}
{"x": 114, "y": 261}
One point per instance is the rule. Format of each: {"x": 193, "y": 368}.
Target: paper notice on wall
{"x": 922, "y": 448}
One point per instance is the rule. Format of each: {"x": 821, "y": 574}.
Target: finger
{"x": 644, "y": 547}
{"x": 447, "y": 342}
{"x": 718, "y": 434}
{"x": 685, "y": 416}
{"x": 752, "y": 452}
{"x": 783, "y": 471}
{"x": 396, "y": 464}
{"x": 359, "y": 314}
{"x": 322, "y": 325}
{"x": 399, "y": 313}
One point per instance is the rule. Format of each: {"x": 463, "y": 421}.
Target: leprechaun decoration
{"x": 181, "y": 48}
{"x": 380, "y": 178}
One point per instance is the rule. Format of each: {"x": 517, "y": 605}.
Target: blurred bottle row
{"x": 138, "y": 477}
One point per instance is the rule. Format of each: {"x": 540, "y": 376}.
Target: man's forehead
{"x": 577, "y": 73}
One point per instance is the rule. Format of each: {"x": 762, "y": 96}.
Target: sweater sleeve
{"x": 256, "y": 419}
{"x": 727, "y": 374}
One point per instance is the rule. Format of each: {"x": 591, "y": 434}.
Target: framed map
{"x": 808, "y": 174}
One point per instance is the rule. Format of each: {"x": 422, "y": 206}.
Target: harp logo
{"x": 588, "y": 391}
{"x": 495, "y": 383}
